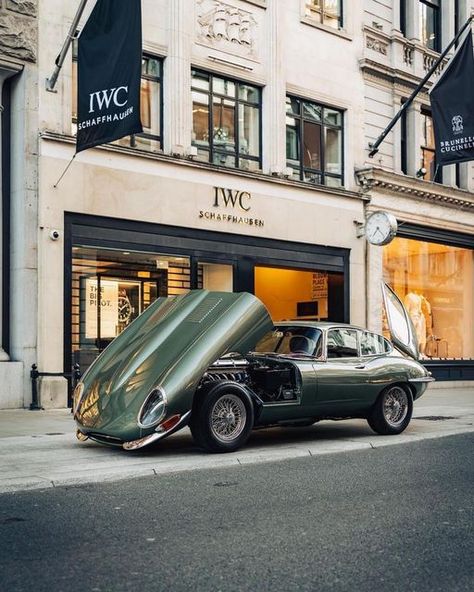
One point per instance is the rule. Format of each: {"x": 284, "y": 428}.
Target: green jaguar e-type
{"x": 216, "y": 362}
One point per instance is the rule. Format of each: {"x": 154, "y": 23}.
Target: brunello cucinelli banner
{"x": 109, "y": 72}
{"x": 231, "y": 206}
{"x": 452, "y": 103}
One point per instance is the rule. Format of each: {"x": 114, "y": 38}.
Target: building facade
{"x": 252, "y": 174}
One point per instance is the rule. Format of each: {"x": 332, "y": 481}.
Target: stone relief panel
{"x": 226, "y": 28}
{"x": 23, "y": 6}
{"x": 18, "y": 36}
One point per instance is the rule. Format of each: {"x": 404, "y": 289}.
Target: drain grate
{"x": 435, "y": 417}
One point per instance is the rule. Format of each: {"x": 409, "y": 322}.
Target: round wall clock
{"x": 380, "y": 228}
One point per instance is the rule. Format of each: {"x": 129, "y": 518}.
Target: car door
{"x": 340, "y": 377}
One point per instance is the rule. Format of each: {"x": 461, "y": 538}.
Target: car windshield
{"x": 290, "y": 340}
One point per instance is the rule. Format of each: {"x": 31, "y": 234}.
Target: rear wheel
{"x": 392, "y": 411}
{"x": 223, "y": 418}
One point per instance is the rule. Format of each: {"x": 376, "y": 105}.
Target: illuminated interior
{"x": 436, "y": 284}
{"x": 292, "y": 294}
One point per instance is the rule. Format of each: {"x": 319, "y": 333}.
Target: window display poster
{"x": 109, "y": 291}
{"x": 319, "y": 285}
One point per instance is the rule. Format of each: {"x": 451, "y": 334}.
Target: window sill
{"x": 307, "y": 20}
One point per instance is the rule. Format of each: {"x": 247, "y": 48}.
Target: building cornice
{"x": 388, "y": 182}
{"x": 188, "y": 162}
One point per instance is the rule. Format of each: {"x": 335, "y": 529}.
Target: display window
{"x": 291, "y": 294}
{"x": 436, "y": 284}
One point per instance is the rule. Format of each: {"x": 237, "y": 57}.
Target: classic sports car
{"x": 216, "y": 362}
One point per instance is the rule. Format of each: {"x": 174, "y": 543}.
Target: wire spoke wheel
{"x": 228, "y": 418}
{"x": 395, "y": 406}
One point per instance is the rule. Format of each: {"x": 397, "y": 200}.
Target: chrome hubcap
{"x": 395, "y": 406}
{"x": 228, "y": 418}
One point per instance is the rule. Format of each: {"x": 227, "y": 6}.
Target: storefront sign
{"x": 108, "y": 309}
{"x": 238, "y": 202}
{"x": 319, "y": 285}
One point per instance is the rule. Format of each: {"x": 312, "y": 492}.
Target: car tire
{"x": 392, "y": 411}
{"x": 222, "y": 418}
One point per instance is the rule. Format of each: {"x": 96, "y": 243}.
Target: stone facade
{"x": 364, "y": 69}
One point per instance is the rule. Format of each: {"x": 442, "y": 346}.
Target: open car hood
{"x": 401, "y": 327}
{"x": 171, "y": 344}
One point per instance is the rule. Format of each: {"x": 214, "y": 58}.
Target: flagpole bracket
{"x": 50, "y": 86}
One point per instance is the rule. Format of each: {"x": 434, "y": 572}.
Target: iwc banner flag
{"x": 109, "y": 72}
{"x": 452, "y": 102}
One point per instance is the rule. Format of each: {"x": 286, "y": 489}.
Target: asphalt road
{"x": 396, "y": 518}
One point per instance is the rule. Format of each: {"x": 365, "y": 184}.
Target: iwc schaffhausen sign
{"x": 231, "y": 206}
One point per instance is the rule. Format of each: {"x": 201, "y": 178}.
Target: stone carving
{"x": 377, "y": 45}
{"x": 225, "y": 27}
{"x": 18, "y": 37}
{"x": 23, "y": 6}
{"x": 408, "y": 54}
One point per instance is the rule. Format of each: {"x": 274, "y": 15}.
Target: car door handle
{"x": 360, "y": 367}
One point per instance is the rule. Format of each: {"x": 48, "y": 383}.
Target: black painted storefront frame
{"x": 442, "y": 369}
{"x": 242, "y": 251}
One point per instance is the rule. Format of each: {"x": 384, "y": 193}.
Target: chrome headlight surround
{"x": 77, "y": 397}
{"x": 153, "y": 409}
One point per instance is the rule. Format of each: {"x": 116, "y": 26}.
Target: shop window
{"x": 215, "y": 276}
{"x": 427, "y": 150}
{"x": 111, "y": 288}
{"x": 430, "y": 24}
{"x": 436, "y": 284}
{"x": 226, "y": 121}
{"x": 325, "y": 12}
{"x": 298, "y": 294}
{"x": 314, "y": 142}
{"x": 151, "y": 102}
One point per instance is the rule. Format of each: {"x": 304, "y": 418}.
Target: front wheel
{"x": 392, "y": 411}
{"x": 223, "y": 419}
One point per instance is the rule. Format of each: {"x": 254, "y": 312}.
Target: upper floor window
{"x": 430, "y": 24}
{"x": 428, "y": 161}
{"x": 151, "y": 99}
{"x": 314, "y": 142}
{"x": 326, "y": 12}
{"x": 226, "y": 121}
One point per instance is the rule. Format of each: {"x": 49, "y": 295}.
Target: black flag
{"x": 452, "y": 103}
{"x": 109, "y": 72}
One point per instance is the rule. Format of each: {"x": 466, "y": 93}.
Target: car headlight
{"x": 153, "y": 409}
{"x": 77, "y": 396}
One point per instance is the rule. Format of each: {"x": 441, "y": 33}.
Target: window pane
{"x": 429, "y": 26}
{"x": 223, "y": 123}
{"x": 150, "y": 106}
{"x": 332, "y": 13}
{"x": 200, "y": 80}
{"x": 144, "y": 142}
{"x": 312, "y": 111}
{"x": 200, "y": 118}
{"x": 293, "y": 105}
{"x": 312, "y": 145}
{"x": 249, "y": 165}
{"x": 311, "y": 177}
{"x": 342, "y": 343}
{"x": 227, "y": 160}
{"x": 293, "y": 140}
{"x": 248, "y": 93}
{"x": 223, "y": 87}
{"x": 249, "y": 130}
{"x": 332, "y": 181}
{"x": 151, "y": 67}
{"x": 333, "y": 151}
{"x": 332, "y": 117}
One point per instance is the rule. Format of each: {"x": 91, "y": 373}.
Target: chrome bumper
{"x": 135, "y": 444}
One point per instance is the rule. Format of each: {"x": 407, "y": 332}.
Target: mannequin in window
{"x": 414, "y": 304}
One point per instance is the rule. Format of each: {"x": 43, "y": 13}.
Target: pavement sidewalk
{"x": 39, "y": 449}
